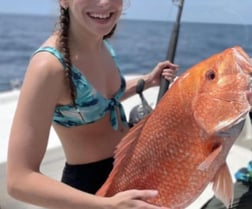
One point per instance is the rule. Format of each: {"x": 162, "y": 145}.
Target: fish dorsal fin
{"x": 125, "y": 145}
{"x": 223, "y": 186}
{"x": 210, "y": 159}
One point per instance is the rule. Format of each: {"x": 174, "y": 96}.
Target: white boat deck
{"x": 53, "y": 162}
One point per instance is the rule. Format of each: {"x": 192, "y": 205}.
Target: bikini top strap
{"x": 53, "y": 51}
{"x": 60, "y": 57}
{"x": 110, "y": 48}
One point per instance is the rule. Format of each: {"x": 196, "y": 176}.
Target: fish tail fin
{"x": 223, "y": 186}
{"x": 124, "y": 146}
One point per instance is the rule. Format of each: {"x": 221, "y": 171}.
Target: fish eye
{"x": 210, "y": 75}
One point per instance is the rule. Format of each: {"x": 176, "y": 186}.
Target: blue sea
{"x": 139, "y": 44}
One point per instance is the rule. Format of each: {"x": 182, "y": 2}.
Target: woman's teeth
{"x": 99, "y": 16}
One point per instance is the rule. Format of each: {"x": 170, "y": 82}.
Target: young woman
{"x": 73, "y": 82}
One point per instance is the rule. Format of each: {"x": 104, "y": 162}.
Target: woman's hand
{"x": 134, "y": 199}
{"x": 166, "y": 69}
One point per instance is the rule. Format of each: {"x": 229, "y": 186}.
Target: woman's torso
{"x": 97, "y": 140}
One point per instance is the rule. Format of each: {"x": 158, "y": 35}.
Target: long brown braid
{"x": 64, "y": 23}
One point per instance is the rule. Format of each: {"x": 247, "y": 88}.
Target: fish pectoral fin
{"x": 210, "y": 159}
{"x": 223, "y": 186}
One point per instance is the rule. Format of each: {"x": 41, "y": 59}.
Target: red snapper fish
{"x": 180, "y": 147}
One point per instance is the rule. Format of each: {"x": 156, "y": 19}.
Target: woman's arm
{"x": 166, "y": 69}
{"x": 29, "y": 138}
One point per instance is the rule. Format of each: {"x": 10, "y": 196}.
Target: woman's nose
{"x": 103, "y": 3}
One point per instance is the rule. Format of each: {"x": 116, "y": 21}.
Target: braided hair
{"x": 64, "y": 22}
{"x": 63, "y": 45}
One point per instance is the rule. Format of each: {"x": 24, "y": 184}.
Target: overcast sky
{"x": 224, "y": 11}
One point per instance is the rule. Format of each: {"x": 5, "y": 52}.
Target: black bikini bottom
{"x": 87, "y": 177}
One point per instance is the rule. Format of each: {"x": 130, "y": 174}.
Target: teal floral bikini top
{"x": 90, "y": 105}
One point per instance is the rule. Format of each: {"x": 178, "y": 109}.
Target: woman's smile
{"x": 100, "y": 17}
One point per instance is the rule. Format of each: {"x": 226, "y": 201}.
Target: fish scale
{"x": 181, "y": 147}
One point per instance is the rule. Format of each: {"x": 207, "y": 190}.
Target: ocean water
{"x": 139, "y": 45}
